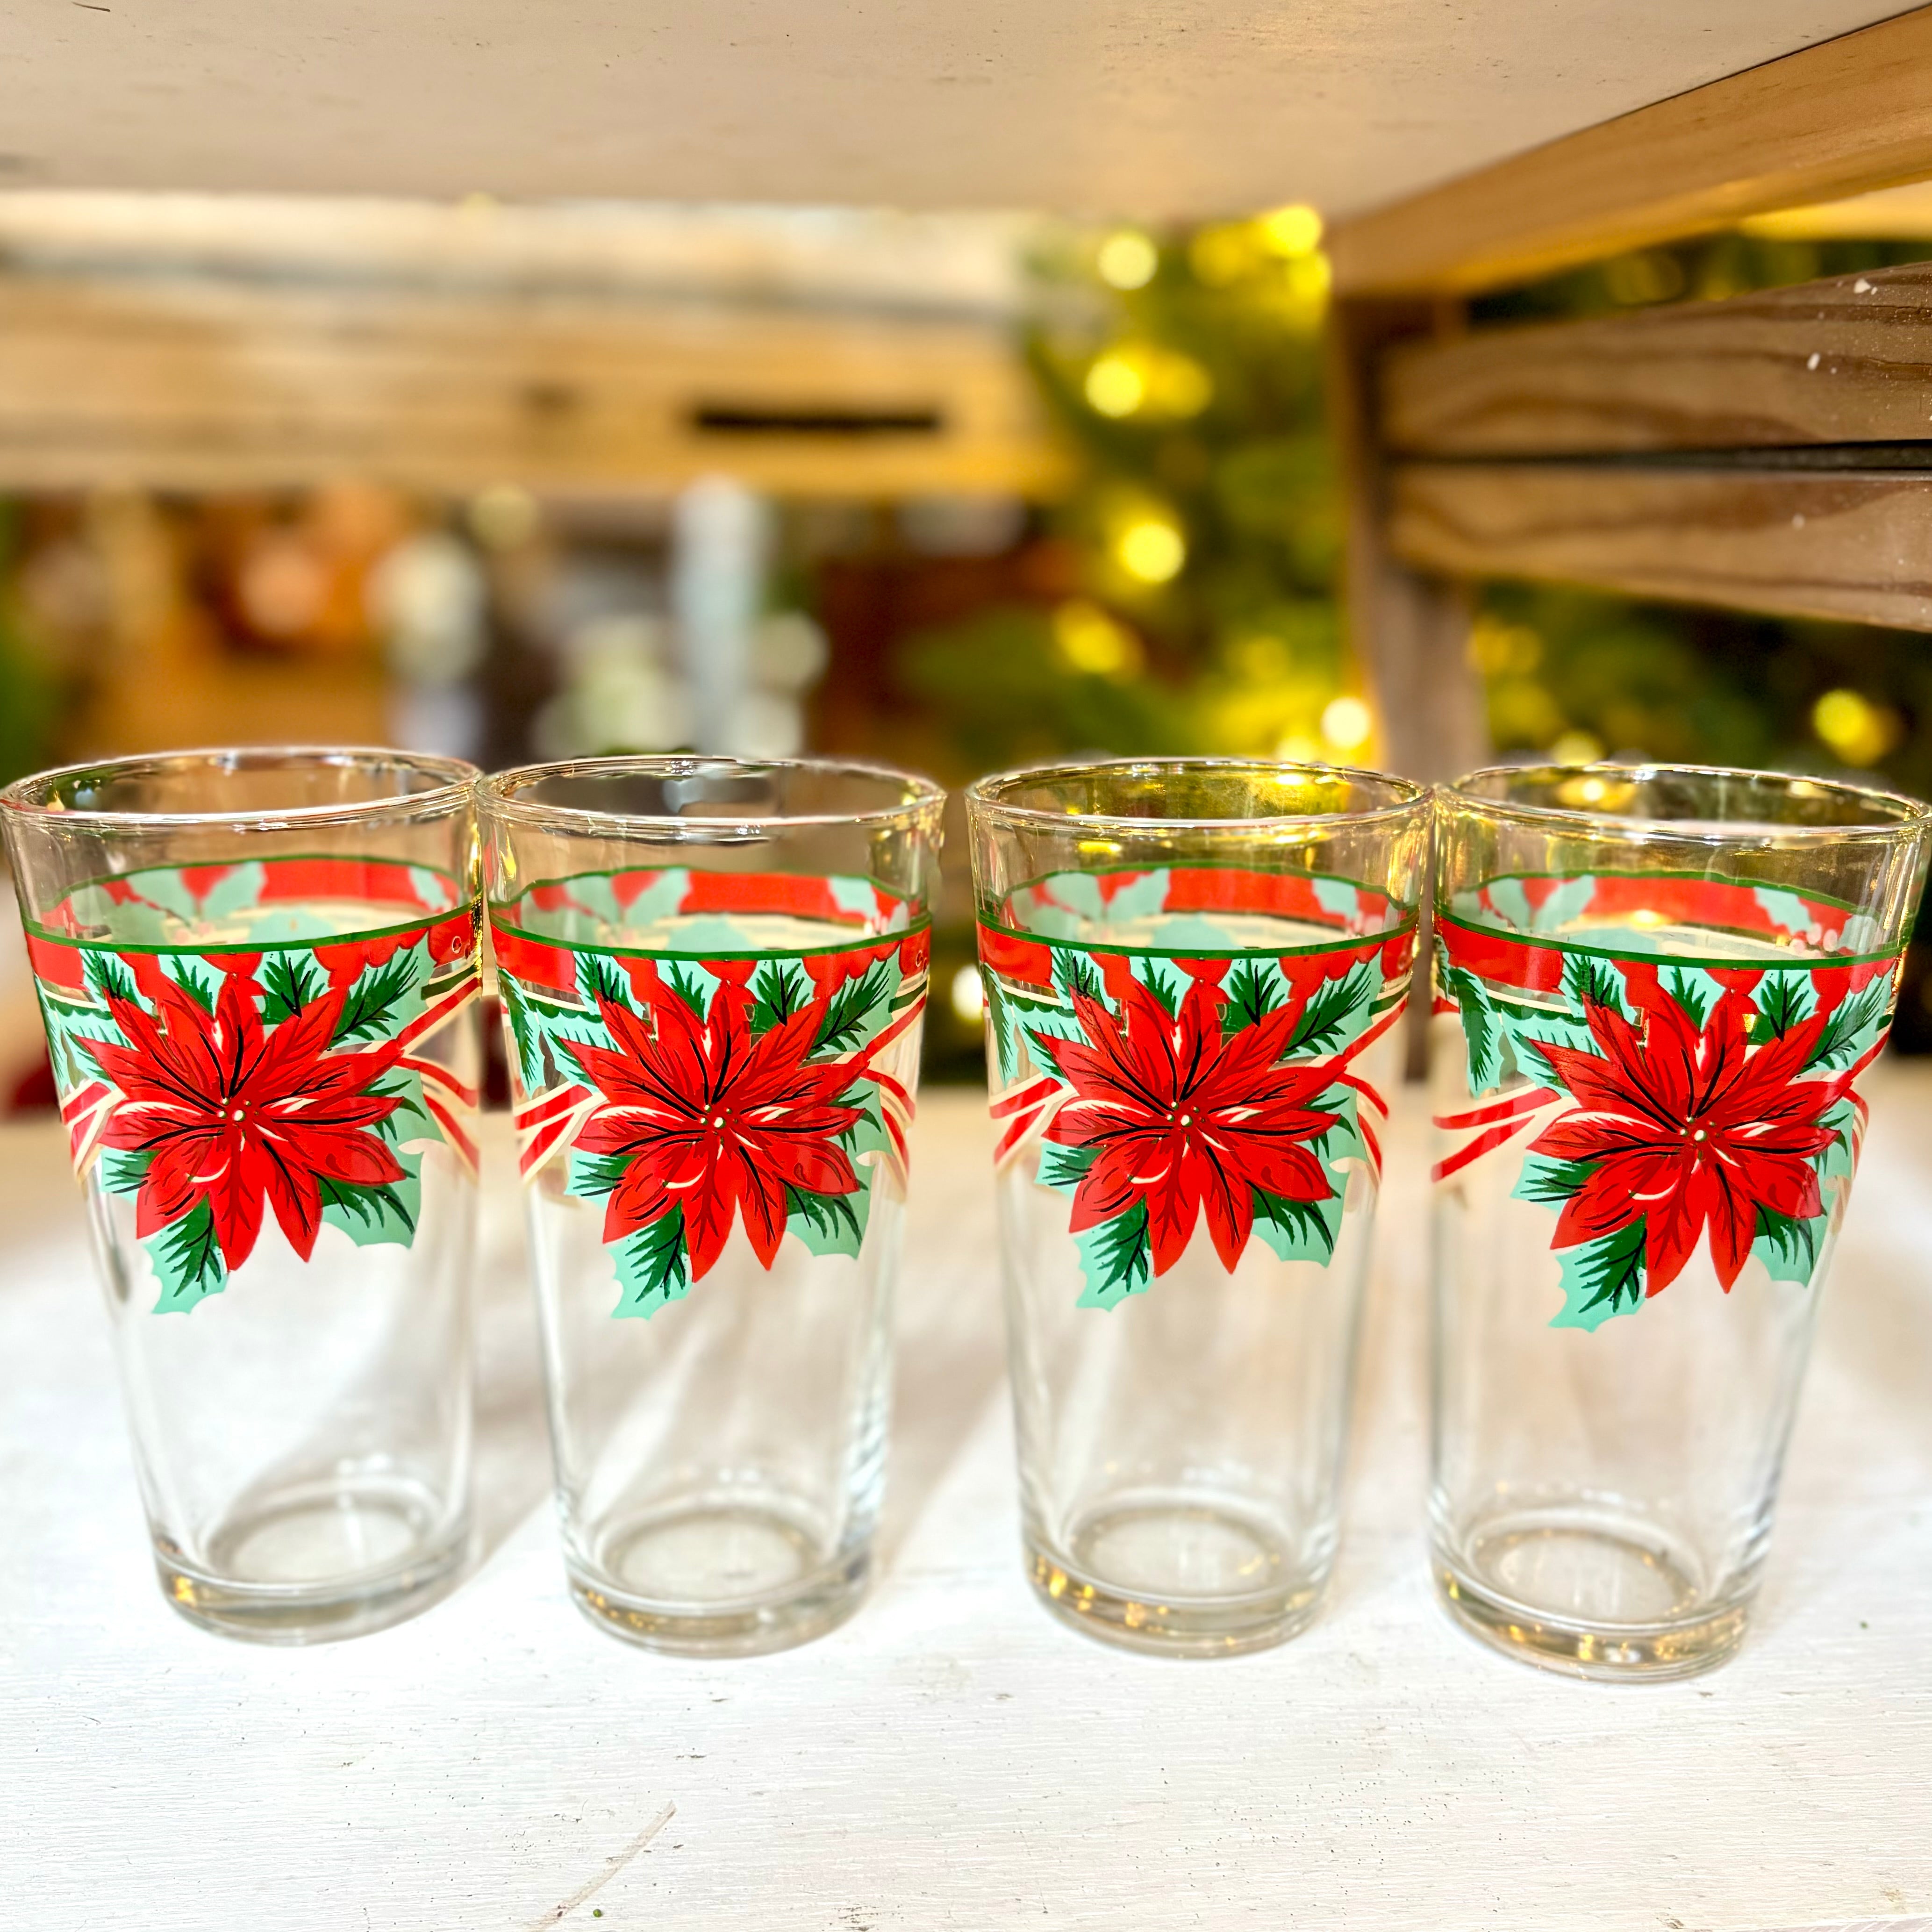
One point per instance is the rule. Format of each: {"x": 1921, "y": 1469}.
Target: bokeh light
{"x": 1127, "y": 259}
{"x": 1151, "y": 550}
{"x": 1115, "y": 386}
{"x": 1347, "y": 724}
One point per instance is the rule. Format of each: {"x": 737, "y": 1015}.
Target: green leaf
{"x": 187, "y": 1261}
{"x": 1588, "y": 981}
{"x": 1784, "y": 1001}
{"x": 1116, "y": 1258}
{"x": 291, "y": 982}
{"x": 1154, "y": 976}
{"x": 1299, "y": 1231}
{"x": 525, "y": 1033}
{"x": 1482, "y": 1030}
{"x": 378, "y": 1002}
{"x": 388, "y": 1212}
{"x": 196, "y": 980}
{"x": 849, "y": 1010}
{"x": 1788, "y": 1247}
{"x": 1694, "y": 995}
{"x": 123, "y": 1170}
{"x": 828, "y": 1224}
{"x": 594, "y": 1175}
{"x": 1551, "y": 1182}
{"x": 1253, "y": 993}
{"x": 653, "y": 1266}
{"x": 779, "y": 989}
{"x": 1602, "y": 1278}
{"x": 1327, "y": 1021}
{"x": 1002, "y": 1029}
{"x": 1065, "y": 1168}
{"x": 1841, "y": 1038}
{"x": 108, "y": 977}
{"x": 599, "y": 979}
{"x": 1075, "y": 972}
{"x": 687, "y": 986}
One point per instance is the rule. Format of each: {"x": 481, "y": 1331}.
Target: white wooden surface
{"x": 951, "y": 1757}
{"x": 1157, "y": 108}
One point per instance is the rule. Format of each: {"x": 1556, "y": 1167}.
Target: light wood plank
{"x": 1844, "y": 361}
{"x": 1846, "y": 116}
{"x": 198, "y": 383}
{"x": 1846, "y": 545}
{"x": 952, "y": 1756}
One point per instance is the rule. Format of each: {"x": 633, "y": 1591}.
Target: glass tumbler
{"x": 1657, "y": 989}
{"x": 1194, "y": 973}
{"x": 713, "y": 973}
{"x": 258, "y": 971}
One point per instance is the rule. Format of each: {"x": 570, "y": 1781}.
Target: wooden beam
{"x": 1840, "y": 118}
{"x": 1843, "y": 362}
{"x": 182, "y": 382}
{"x": 1407, "y": 631}
{"x": 1852, "y": 545}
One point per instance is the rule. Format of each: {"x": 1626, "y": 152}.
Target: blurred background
{"x": 957, "y": 492}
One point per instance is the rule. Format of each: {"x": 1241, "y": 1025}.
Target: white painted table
{"x": 951, "y": 1757}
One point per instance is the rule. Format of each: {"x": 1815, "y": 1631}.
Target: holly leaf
{"x": 1788, "y": 1247}
{"x": 387, "y": 1213}
{"x": 1602, "y": 1278}
{"x": 653, "y": 1266}
{"x": 290, "y": 982}
{"x": 187, "y": 1261}
{"x": 1116, "y": 1258}
{"x": 1299, "y": 1231}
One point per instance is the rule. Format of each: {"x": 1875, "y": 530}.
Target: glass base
{"x": 717, "y": 1579}
{"x": 323, "y": 1560}
{"x": 1589, "y": 1595}
{"x": 1177, "y": 1577}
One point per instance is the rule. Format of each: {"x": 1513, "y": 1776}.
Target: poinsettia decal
{"x": 1168, "y": 1117}
{"x": 219, "y": 1119}
{"x": 702, "y": 1120}
{"x": 1170, "y": 1095}
{"x": 1663, "y": 1109}
{"x": 220, "y": 1089}
{"x": 764, "y": 1092}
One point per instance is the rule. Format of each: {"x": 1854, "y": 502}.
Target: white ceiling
{"x": 1150, "y": 107}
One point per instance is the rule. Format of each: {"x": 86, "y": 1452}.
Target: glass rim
{"x": 27, "y": 798}
{"x": 1909, "y": 816}
{"x": 496, "y": 794}
{"x": 984, "y": 794}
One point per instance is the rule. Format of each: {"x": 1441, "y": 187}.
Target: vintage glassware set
{"x": 1654, "y": 991}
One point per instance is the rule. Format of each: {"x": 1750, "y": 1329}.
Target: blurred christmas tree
{"x": 1203, "y": 523}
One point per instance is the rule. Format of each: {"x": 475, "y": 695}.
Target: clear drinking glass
{"x": 713, "y": 973}
{"x": 1194, "y": 974}
{"x": 258, "y": 970}
{"x": 1657, "y": 988}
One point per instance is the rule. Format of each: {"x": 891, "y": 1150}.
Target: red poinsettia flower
{"x": 709, "y": 1119}
{"x": 1185, "y": 1119}
{"x": 1689, "y": 1130}
{"x": 239, "y": 1116}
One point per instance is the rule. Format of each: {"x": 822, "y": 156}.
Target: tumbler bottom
{"x": 308, "y": 1563}
{"x": 1178, "y": 1577}
{"x": 1590, "y": 1594}
{"x": 718, "y": 1579}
